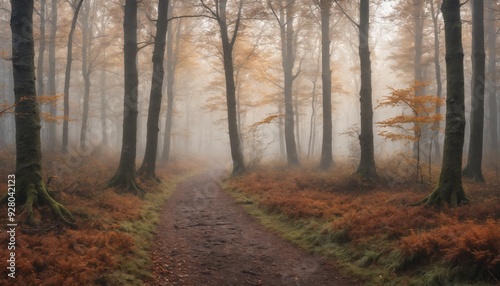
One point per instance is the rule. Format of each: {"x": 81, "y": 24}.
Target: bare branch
{"x": 347, "y": 15}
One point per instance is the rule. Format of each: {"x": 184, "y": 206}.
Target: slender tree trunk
{"x": 124, "y": 177}
{"x": 170, "y": 65}
{"x": 418, "y": 42}
{"x": 312, "y": 130}
{"x": 287, "y": 51}
{"x": 449, "y": 189}
{"x": 439, "y": 84}
{"x": 67, "y": 78}
{"x": 281, "y": 132}
{"x": 30, "y": 188}
{"x": 366, "y": 166}
{"x": 492, "y": 81}
{"x": 51, "y": 88}
{"x": 227, "y": 50}
{"x": 148, "y": 167}
{"x": 86, "y": 30}
{"x": 41, "y": 51}
{"x": 326, "y": 77}
{"x": 475, "y": 156}
{"x": 104, "y": 105}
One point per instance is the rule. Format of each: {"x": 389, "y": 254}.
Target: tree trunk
{"x": 51, "y": 88}
{"x": 67, "y": 78}
{"x": 418, "y": 18}
{"x": 29, "y": 182}
{"x": 287, "y": 52}
{"x": 227, "y": 50}
{"x": 148, "y": 167}
{"x": 449, "y": 189}
{"x": 281, "y": 132}
{"x": 124, "y": 177}
{"x": 439, "y": 84}
{"x": 475, "y": 156}
{"x": 86, "y": 30}
{"x": 170, "y": 65}
{"x": 326, "y": 77}
{"x": 366, "y": 166}
{"x": 104, "y": 105}
{"x": 492, "y": 79}
{"x": 41, "y": 51}
{"x": 312, "y": 125}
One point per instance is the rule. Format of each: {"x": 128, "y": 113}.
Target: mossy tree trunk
{"x": 30, "y": 187}
{"x": 449, "y": 189}
{"x": 124, "y": 177}
{"x": 475, "y": 157}
{"x": 148, "y": 167}
{"x": 366, "y": 166}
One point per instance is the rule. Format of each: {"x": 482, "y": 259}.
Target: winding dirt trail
{"x": 206, "y": 238}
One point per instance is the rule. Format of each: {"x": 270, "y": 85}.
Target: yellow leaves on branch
{"x": 419, "y": 113}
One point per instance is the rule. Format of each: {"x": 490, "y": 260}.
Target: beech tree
{"x": 285, "y": 15}
{"x": 219, "y": 13}
{"x": 449, "y": 188}
{"x": 366, "y": 166}
{"x": 67, "y": 78}
{"x": 326, "y": 77}
{"x": 148, "y": 167}
{"x": 475, "y": 157}
{"x": 491, "y": 90}
{"x": 124, "y": 177}
{"x": 30, "y": 187}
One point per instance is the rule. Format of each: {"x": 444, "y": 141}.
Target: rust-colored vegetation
{"x": 373, "y": 219}
{"x": 90, "y": 253}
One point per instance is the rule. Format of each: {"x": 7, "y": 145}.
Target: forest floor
{"x": 206, "y": 238}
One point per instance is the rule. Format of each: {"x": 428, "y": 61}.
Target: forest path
{"x": 206, "y": 238}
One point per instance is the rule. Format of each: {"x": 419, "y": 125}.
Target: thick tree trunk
{"x": 326, "y": 77}
{"x": 29, "y": 182}
{"x": 492, "y": 81}
{"x": 170, "y": 65}
{"x": 86, "y": 30}
{"x": 67, "y": 78}
{"x": 227, "y": 50}
{"x": 51, "y": 85}
{"x": 439, "y": 84}
{"x": 41, "y": 51}
{"x": 475, "y": 156}
{"x": 449, "y": 189}
{"x": 148, "y": 167}
{"x": 124, "y": 177}
{"x": 366, "y": 166}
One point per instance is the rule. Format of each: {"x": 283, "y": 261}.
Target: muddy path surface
{"x": 206, "y": 238}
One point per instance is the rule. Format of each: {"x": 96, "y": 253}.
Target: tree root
{"x": 367, "y": 174}
{"x": 148, "y": 175}
{"x": 475, "y": 175}
{"x": 443, "y": 195}
{"x": 35, "y": 194}
{"x": 127, "y": 184}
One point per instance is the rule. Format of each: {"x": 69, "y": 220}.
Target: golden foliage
{"x": 421, "y": 115}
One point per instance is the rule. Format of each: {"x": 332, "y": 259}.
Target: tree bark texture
{"x": 148, "y": 167}
{"x": 475, "y": 157}
{"x": 30, "y": 187}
